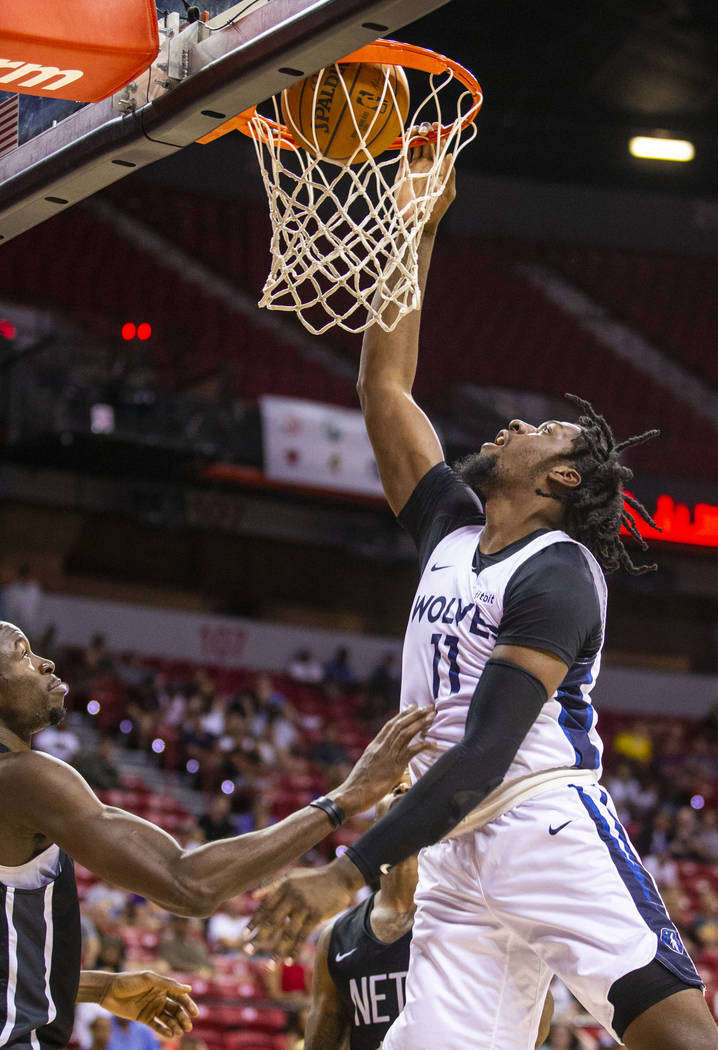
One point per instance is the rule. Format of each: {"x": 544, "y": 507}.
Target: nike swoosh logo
{"x": 343, "y": 955}
{"x": 385, "y": 869}
{"x": 437, "y": 568}
{"x": 555, "y": 831}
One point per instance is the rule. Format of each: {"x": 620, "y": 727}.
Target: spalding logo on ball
{"x": 348, "y": 110}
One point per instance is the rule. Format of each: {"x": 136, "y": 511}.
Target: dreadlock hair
{"x": 595, "y": 509}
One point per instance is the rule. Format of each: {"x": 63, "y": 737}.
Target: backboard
{"x": 206, "y": 71}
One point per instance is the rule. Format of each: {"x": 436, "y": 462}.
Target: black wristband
{"x": 333, "y": 811}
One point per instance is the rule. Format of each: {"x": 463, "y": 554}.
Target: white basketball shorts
{"x": 554, "y": 886}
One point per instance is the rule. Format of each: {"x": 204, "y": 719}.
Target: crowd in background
{"x": 305, "y": 727}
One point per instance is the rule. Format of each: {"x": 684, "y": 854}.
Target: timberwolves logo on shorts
{"x": 671, "y": 940}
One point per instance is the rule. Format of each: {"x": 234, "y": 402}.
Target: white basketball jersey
{"x": 452, "y": 630}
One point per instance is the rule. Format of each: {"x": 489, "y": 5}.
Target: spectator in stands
{"x": 708, "y": 726}
{"x": 709, "y": 835}
{"x": 686, "y": 843}
{"x": 190, "y": 836}
{"x": 289, "y": 981}
{"x": 217, "y": 823}
{"x": 197, "y": 743}
{"x": 267, "y": 693}
{"x": 700, "y": 764}
{"x": 59, "y": 741}
{"x": 624, "y": 789}
{"x": 130, "y": 669}
{"x": 329, "y": 751}
{"x": 97, "y": 658}
{"x": 22, "y": 600}
{"x": 98, "y": 765}
{"x": 656, "y": 837}
{"x": 143, "y": 709}
{"x": 90, "y": 942}
{"x": 634, "y": 742}
{"x": 48, "y": 642}
{"x": 663, "y": 868}
{"x": 121, "y": 1034}
{"x": 214, "y": 716}
{"x": 191, "y": 1042}
{"x": 100, "y": 1032}
{"x": 180, "y": 952}
{"x": 106, "y": 899}
{"x": 225, "y": 928}
{"x": 705, "y": 922}
{"x": 282, "y": 731}
{"x": 382, "y": 689}
{"x": 339, "y": 672}
{"x": 303, "y": 667}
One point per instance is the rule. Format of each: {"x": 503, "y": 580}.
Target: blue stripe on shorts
{"x": 642, "y": 889}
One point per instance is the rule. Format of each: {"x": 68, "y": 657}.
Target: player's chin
{"x": 56, "y": 714}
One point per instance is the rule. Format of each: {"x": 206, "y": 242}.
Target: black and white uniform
{"x": 40, "y": 951}
{"x": 369, "y": 974}
{"x": 540, "y": 878}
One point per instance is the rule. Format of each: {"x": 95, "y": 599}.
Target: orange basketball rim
{"x": 383, "y": 52}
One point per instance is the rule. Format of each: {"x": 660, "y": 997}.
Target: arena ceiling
{"x": 566, "y": 85}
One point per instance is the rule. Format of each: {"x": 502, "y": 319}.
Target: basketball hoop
{"x": 342, "y": 252}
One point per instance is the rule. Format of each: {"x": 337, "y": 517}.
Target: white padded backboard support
{"x": 208, "y": 76}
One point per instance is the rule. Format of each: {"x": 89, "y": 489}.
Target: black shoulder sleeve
{"x": 439, "y": 504}
{"x": 551, "y": 603}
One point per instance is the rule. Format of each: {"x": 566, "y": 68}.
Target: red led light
{"x": 144, "y": 330}
{"x": 7, "y": 329}
{"x": 129, "y": 330}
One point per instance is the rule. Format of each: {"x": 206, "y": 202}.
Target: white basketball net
{"x": 342, "y": 253}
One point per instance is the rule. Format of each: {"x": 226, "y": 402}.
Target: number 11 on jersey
{"x": 452, "y": 645}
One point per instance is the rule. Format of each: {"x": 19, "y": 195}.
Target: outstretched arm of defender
{"x": 405, "y": 443}
{"x": 43, "y": 795}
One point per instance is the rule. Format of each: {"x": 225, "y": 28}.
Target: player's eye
{"x": 26, "y": 653}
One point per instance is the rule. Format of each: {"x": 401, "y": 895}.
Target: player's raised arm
{"x": 405, "y": 443}
{"x": 329, "y": 1020}
{"x": 47, "y": 797}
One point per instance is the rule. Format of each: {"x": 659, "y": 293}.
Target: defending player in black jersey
{"x": 525, "y": 869}
{"x": 359, "y": 984}
{"x": 48, "y": 815}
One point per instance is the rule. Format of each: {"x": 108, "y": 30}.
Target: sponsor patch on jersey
{"x": 672, "y": 940}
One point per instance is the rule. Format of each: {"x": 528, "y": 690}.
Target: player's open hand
{"x": 162, "y": 1004}
{"x": 382, "y": 764}
{"x": 413, "y": 177}
{"x": 292, "y": 908}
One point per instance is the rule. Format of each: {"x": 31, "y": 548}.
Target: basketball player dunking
{"x": 360, "y": 968}
{"x": 531, "y": 873}
{"x": 48, "y": 814}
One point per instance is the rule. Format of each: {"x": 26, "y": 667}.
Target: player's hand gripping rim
{"x": 412, "y": 176}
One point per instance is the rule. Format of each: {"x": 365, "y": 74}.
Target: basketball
{"x": 337, "y": 110}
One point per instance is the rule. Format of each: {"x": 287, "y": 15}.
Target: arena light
{"x": 93, "y": 707}
{"x": 158, "y": 745}
{"x": 658, "y": 148}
